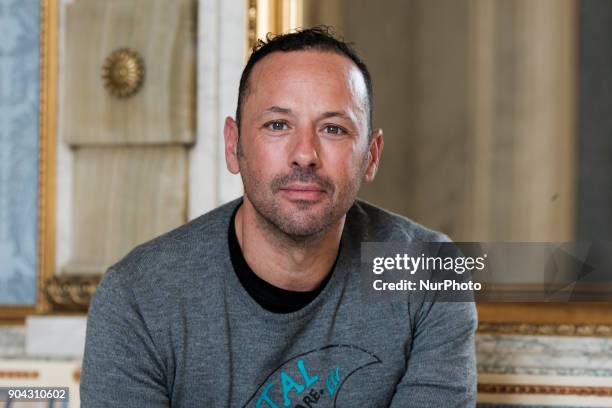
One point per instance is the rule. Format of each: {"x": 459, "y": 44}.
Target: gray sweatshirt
{"x": 171, "y": 325}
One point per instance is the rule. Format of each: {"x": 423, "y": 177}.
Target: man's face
{"x": 303, "y": 148}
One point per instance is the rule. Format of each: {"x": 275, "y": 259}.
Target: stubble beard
{"x": 302, "y": 221}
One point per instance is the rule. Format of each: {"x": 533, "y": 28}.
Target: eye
{"x": 276, "y": 125}
{"x": 334, "y": 129}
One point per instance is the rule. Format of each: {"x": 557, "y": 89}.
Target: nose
{"x": 305, "y": 150}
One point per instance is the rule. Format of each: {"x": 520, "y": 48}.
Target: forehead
{"x": 326, "y": 73}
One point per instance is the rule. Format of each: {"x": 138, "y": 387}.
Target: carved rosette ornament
{"x": 123, "y": 73}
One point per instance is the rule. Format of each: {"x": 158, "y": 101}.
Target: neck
{"x": 291, "y": 263}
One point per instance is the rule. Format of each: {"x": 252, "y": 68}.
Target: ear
{"x": 374, "y": 153}
{"x": 230, "y": 134}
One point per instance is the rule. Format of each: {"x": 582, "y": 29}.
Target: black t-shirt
{"x": 270, "y": 297}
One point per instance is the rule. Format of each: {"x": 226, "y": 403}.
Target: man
{"x": 258, "y": 303}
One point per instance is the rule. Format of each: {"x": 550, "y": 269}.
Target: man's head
{"x": 315, "y": 39}
{"x": 303, "y": 141}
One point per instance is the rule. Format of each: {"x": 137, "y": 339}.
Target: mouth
{"x": 301, "y": 191}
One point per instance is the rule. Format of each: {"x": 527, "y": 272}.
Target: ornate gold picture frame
{"x": 47, "y": 114}
{"x": 48, "y": 130}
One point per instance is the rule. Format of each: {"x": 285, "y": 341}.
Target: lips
{"x": 300, "y": 191}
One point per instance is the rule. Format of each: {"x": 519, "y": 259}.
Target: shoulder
{"x": 176, "y": 254}
{"x": 380, "y": 225}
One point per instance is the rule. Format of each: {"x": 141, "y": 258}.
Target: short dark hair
{"x": 320, "y": 38}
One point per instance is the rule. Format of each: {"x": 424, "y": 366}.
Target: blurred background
{"x": 497, "y": 118}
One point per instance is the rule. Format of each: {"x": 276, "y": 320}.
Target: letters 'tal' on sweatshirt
{"x": 171, "y": 325}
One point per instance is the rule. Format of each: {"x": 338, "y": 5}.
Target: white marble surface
{"x": 545, "y": 355}
{"x": 55, "y": 336}
{"x": 63, "y": 230}
{"x": 44, "y": 338}
{"x": 221, "y": 56}
{"x": 12, "y": 341}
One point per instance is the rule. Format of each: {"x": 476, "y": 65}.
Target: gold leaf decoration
{"x": 123, "y": 73}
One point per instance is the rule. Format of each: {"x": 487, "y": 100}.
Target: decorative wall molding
{"x": 18, "y": 374}
{"x": 49, "y": 31}
{"x": 70, "y": 292}
{"x": 272, "y": 16}
{"x": 546, "y": 329}
{"x": 490, "y": 388}
{"x": 123, "y": 72}
{"x": 252, "y": 24}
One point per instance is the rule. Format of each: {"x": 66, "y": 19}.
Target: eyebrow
{"x": 278, "y": 109}
{"x": 335, "y": 114}
{"x": 325, "y": 115}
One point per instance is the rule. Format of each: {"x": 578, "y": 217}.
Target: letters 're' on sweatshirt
{"x": 171, "y": 325}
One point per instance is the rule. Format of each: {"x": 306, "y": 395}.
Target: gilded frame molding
{"x": 271, "y": 16}
{"x": 497, "y": 388}
{"x": 546, "y": 329}
{"x": 48, "y": 134}
{"x": 47, "y": 113}
{"x": 578, "y": 319}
